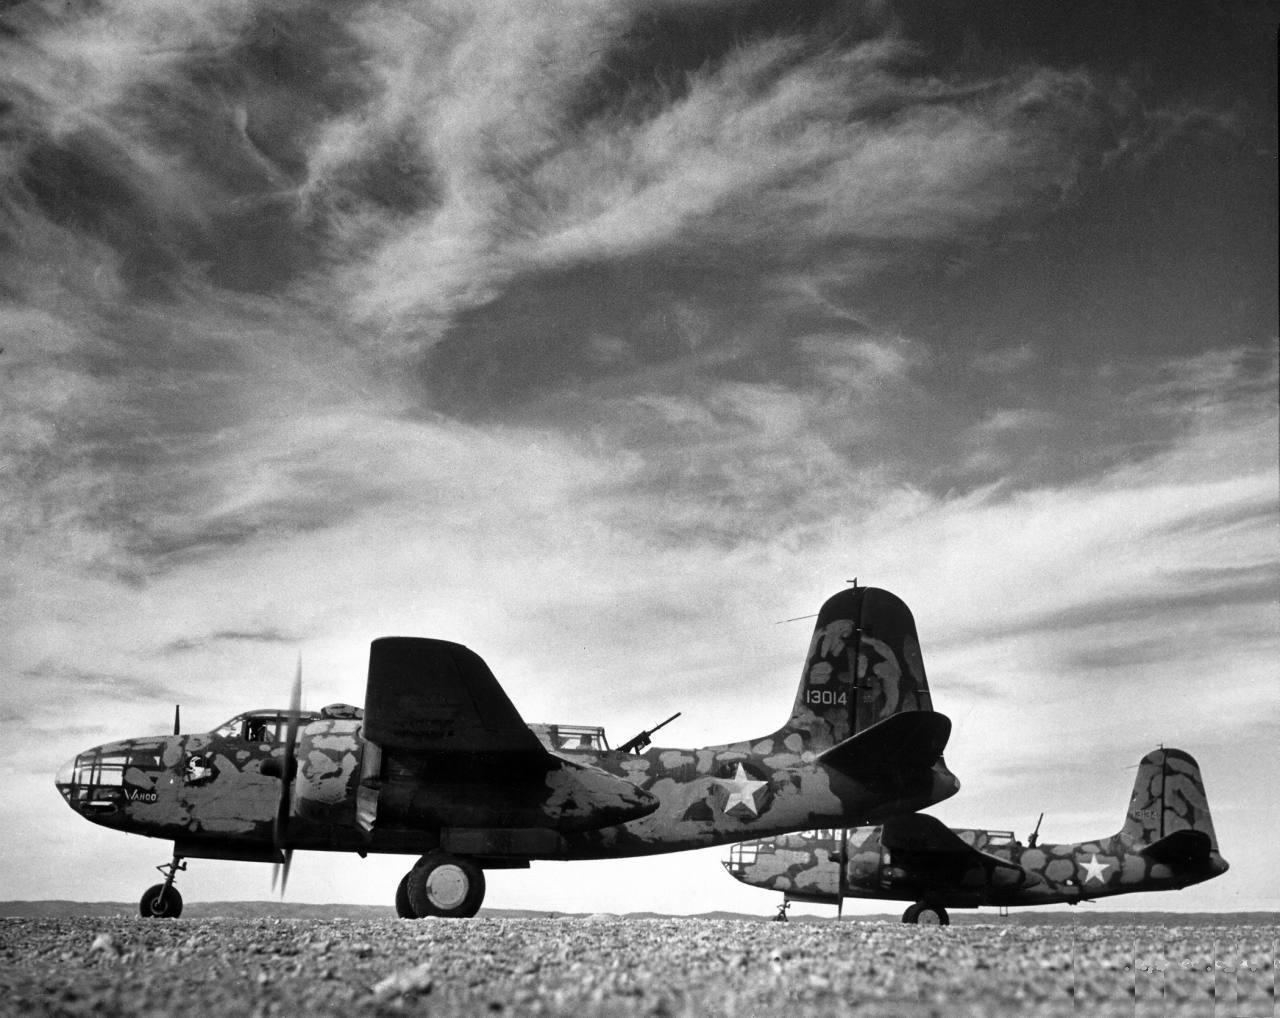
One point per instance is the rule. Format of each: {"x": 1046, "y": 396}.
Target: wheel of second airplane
{"x": 445, "y": 885}
{"x": 924, "y": 913}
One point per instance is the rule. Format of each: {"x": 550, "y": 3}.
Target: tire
{"x": 924, "y": 913}
{"x": 160, "y": 902}
{"x": 444, "y": 885}
{"x": 404, "y": 909}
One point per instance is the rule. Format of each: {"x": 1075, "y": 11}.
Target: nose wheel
{"x": 163, "y": 901}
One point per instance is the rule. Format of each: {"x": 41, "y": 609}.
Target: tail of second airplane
{"x": 863, "y": 702}
{"x": 1168, "y": 819}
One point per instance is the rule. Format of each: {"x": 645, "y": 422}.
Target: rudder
{"x": 1168, "y": 797}
{"x": 864, "y": 665}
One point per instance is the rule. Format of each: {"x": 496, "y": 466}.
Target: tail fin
{"x": 1168, "y": 798}
{"x": 864, "y": 665}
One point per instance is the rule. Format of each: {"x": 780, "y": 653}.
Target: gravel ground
{"x": 608, "y": 966}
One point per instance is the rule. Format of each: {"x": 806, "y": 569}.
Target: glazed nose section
{"x": 91, "y": 783}
{"x": 63, "y": 780}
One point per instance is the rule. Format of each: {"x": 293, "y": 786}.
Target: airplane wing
{"x": 917, "y": 832}
{"x": 450, "y": 751}
{"x": 926, "y": 837}
{"x": 435, "y": 696}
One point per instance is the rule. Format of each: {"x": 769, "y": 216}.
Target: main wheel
{"x": 445, "y": 885}
{"x": 160, "y": 902}
{"x": 933, "y": 915}
{"x": 926, "y": 914}
{"x": 404, "y": 908}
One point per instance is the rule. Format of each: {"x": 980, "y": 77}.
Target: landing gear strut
{"x": 163, "y": 900}
{"x": 926, "y": 913}
{"x": 441, "y": 884}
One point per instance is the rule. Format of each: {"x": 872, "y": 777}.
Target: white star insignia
{"x": 1095, "y": 870}
{"x": 742, "y": 791}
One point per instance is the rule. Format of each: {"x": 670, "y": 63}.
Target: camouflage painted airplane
{"x": 1167, "y": 843}
{"x": 440, "y": 764}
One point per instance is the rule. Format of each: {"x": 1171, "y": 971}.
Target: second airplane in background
{"x": 1167, "y": 842}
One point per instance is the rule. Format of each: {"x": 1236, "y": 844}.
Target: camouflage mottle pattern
{"x": 1167, "y": 842}
{"x": 217, "y": 794}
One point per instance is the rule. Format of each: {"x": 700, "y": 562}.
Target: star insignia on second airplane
{"x": 741, "y": 789}
{"x": 1095, "y": 870}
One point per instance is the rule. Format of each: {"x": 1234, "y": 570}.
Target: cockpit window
{"x": 571, "y": 737}
{"x": 261, "y": 725}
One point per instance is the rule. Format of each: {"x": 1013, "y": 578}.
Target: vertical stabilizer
{"x": 1168, "y": 797}
{"x": 863, "y": 666}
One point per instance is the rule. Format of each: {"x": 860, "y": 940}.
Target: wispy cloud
{"x": 601, "y": 336}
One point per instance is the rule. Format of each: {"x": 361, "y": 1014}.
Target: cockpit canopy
{"x": 571, "y": 737}
{"x": 272, "y": 725}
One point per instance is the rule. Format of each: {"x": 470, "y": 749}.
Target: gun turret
{"x": 637, "y": 743}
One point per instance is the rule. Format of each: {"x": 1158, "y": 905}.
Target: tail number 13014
{"x": 826, "y": 697}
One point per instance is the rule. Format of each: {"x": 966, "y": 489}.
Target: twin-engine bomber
{"x": 440, "y": 764}
{"x": 1167, "y": 843}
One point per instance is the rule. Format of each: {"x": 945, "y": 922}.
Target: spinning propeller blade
{"x": 280, "y": 833}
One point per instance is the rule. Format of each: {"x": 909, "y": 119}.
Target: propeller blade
{"x": 280, "y": 832}
{"x": 177, "y": 709}
{"x": 280, "y": 872}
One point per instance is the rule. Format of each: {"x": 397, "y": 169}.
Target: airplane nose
{"x": 65, "y": 781}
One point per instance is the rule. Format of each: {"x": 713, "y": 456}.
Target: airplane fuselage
{"x": 218, "y": 794}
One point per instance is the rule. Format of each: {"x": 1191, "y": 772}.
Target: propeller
{"x": 280, "y": 832}
{"x": 177, "y": 716}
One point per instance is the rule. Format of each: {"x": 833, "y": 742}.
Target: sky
{"x": 603, "y": 336}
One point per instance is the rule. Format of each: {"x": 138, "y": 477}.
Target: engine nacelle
{"x": 327, "y": 772}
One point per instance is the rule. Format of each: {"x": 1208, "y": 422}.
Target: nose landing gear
{"x": 163, "y": 900}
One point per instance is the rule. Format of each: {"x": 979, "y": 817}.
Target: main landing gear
{"x": 163, "y": 900}
{"x": 925, "y": 913}
{"x": 441, "y": 884}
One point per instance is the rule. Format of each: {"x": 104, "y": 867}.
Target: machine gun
{"x": 1035, "y": 835}
{"x": 639, "y": 742}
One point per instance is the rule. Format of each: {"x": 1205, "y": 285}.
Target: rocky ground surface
{"x": 608, "y": 966}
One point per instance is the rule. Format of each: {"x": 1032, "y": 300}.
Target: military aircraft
{"x": 1166, "y": 843}
{"x": 440, "y": 764}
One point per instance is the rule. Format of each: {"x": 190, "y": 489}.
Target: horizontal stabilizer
{"x": 1186, "y": 846}
{"x": 912, "y": 740}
